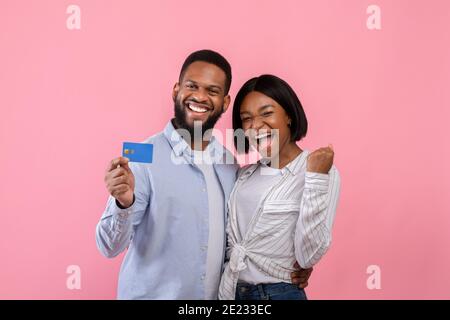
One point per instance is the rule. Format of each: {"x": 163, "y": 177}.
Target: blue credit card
{"x": 138, "y": 152}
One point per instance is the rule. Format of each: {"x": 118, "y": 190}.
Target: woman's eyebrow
{"x": 260, "y": 109}
{"x": 265, "y": 107}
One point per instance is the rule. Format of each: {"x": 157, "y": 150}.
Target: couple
{"x": 206, "y": 231}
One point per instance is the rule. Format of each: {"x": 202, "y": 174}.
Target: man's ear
{"x": 226, "y": 102}
{"x": 176, "y": 89}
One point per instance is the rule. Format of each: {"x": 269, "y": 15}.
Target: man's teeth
{"x": 197, "y": 109}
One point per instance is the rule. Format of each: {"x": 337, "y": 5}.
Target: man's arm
{"x": 125, "y": 207}
{"x": 301, "y": 276}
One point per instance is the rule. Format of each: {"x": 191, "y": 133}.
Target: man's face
{"x": 200, "y": 96}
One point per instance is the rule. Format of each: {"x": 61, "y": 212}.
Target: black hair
{"x": 212, "y": 57}
{"x": 280, "y": 91}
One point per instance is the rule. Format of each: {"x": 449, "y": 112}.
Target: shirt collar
{"x": 293, "y": 167}
{"x": 181, "y": 147}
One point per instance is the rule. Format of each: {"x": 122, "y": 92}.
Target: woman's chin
{"x": 265, "y": 153}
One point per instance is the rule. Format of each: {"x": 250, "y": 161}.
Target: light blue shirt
{"x": 166, "y": 229}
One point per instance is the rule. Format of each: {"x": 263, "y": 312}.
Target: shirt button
{"x": 204, "y": 190}
{"x": 204, "y": 248}
{"x": 202, "y": 277}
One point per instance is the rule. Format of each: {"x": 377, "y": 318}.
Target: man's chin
{"x": 194, "y": 123}
{"x": 191, "y": 124}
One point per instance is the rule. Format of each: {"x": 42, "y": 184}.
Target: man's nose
{"x": 200, "y": 95}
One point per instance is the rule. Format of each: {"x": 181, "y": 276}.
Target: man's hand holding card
{"x": 119, "y": 178}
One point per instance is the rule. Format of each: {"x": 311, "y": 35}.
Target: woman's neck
{"x": 288, "y": 153}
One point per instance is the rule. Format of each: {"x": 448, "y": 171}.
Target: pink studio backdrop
{"x": 69, "y": 98}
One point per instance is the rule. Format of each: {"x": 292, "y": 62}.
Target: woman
{"x": 282, "y": 208}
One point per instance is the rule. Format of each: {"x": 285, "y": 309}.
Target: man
{"x": 172, "y": 216}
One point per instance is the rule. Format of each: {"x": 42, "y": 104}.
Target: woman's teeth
{"x": 262, "y": 135}
{"x": 197, "y": 108}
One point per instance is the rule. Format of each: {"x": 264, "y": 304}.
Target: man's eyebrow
{"x": 215, "y": 86}
{"x": 208, "y": 86}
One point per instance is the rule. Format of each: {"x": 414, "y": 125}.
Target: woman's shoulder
{"x": 245, "y": 168}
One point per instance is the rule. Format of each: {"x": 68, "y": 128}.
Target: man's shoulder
{"x": 158, "y": 141}
{"x": 157, "y": 138}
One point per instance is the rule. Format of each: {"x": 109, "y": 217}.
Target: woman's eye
{"x": 266, "y": 114}
{"x": 245, "y": 119}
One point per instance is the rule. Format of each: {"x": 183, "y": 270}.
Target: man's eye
{"x": 190, "y": 86}
{"x": 245, "y": 119}
{"x": 213, "y": 92}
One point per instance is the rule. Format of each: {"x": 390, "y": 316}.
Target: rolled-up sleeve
{"x": 116, "y": 226}
{"x": 317, "y": 212}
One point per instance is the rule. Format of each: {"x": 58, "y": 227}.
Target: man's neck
{"x": 199, "y": 146}
{"x": 195, "y": 145}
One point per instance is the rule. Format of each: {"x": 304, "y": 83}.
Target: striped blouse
{"x": 292, "y": 223}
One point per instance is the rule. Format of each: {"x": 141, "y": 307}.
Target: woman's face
{"x": 265, "y": 123}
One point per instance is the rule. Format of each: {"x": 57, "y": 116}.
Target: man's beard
{"x": 181, "y": 122}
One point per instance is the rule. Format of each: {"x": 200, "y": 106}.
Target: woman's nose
{"x": 257, "y": 123}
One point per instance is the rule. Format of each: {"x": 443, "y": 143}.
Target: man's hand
{"x": 321, "y": 160}
{"x": 301, "y": 276}
{"x": 119, "y": 181}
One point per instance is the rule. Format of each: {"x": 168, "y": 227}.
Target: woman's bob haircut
{"x": 278, "y": 90}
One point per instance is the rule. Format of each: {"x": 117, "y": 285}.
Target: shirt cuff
{"x": 121, "y": 212}
{"x": 317, "y": 181}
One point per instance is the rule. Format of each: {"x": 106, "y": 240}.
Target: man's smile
{"x": 197, "y": 107}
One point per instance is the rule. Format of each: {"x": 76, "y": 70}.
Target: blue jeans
{"x": 269, "y": 291}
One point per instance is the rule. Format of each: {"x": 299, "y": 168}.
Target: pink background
{"x": 69, "y": 98}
